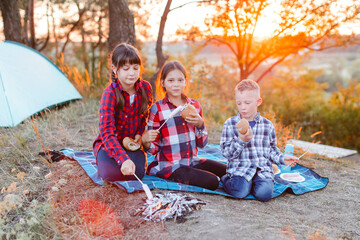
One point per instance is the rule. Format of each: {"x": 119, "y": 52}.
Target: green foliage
{"x": 340, "y": 117}
{"x": 297, "y": 98}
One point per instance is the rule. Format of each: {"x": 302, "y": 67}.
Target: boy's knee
{"x": 264, "y": 191}
{"x": 239, "y": 193}
{"x": 264, "y": 196}
{"x": 237, "y": 187}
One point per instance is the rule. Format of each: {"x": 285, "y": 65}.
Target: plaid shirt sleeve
{"x": 154, "y": 123}
{"x": 201, "y": 133}
{"x": 231, "y": 145}
{"x": 276, "y": 156}
{"x": 107, "y": 128}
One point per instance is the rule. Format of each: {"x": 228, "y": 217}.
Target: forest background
{"x": 309, "y": 58}
{"x": 307, "y": 62}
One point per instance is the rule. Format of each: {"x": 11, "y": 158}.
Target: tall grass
{"x": 87, "y": 87}
{"x": 25, "y": 212}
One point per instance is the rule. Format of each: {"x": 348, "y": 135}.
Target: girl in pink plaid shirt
{"x": 176, "y": 143}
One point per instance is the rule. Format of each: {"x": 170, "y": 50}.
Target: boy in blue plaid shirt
{"x": 250, "y": 155}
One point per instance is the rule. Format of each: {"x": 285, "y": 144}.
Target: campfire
{"x": 168, "y": 206}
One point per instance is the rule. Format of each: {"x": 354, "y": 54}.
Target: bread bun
{"x": 243, "y": 126}
{"x": 130, "y": 144}
{"x": 187, "y": 110}
{"x": 275, "y": 168}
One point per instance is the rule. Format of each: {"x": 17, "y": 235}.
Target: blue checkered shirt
{"x": 245, "y": 159}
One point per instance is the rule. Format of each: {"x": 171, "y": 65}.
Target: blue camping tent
{"x": 29, "y": 83}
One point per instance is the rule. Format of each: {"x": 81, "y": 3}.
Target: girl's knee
{"x": 213, "y": 184}
{"x": 140, "y": 172}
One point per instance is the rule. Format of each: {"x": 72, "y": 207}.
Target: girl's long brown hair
{"x": 123, "y": 54}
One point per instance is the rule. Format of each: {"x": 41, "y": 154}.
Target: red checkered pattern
{"x": 178, "y": 140}
{"x": 115, "y": 125}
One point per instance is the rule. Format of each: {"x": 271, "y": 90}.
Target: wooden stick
{"x": 178, "y": 109}
{"x": 299, "y": 158}
{"x": 146, "y": 188}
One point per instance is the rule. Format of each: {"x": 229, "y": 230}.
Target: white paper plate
{"x": 292, "y": 177}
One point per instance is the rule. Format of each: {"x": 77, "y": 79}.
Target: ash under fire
{"x": 168, "y": 206}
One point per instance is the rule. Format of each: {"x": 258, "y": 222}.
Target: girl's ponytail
{"x": 144, "y": 100}
{"x": 120, "y": 101}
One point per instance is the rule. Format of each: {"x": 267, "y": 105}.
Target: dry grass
{"x": 71, "y": 186}
{"x": 35, "y": 207}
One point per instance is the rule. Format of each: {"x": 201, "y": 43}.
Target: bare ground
{"x": 330, "y": 213}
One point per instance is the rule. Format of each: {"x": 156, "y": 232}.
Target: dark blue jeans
{"x": 109, "y": 169}
{"x": 262, "y": 189}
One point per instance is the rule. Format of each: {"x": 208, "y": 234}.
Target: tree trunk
{"x": 55, "y": 36}
{"x": 84, "y": 48}
{"x": 121, "y": 23}
{"x": 11, "y": 18}
{"x": 32, "y": 24}
{"x": 159, "y": 53}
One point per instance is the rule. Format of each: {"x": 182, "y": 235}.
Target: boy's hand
{"x": 290, "y": 160}
{"x": 247, "y": 136}
{"x": 195, "y": 119}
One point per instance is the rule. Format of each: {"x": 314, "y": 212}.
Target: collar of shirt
{"x": 167, "y": 100}
{"x": 256, "y": 119}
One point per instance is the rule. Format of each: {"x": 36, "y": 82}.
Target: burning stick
{"x": 146, "y": 188}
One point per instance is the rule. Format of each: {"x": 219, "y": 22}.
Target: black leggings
{"x": 109, "y": 169}
{"x": 203, "y": 175}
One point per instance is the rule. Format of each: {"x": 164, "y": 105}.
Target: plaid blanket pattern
{"x": 312, "y": 181}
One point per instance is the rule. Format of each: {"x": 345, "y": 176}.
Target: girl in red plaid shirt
{"x": 175, "y": 147}
{"x": 123, "y": 113}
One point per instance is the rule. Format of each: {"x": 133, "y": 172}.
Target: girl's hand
{"x": 247, "y": 136}
{"x": 137, "y": 138}
{"x": 290, "y": 160}
{"x": 128, "y": 167}
{"x": 148, "y": 137}
{"x": 195, "y": 119}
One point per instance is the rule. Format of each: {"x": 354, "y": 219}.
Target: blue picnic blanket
{"x": 312, "y": 181}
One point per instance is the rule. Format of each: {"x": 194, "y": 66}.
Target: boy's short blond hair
{"x": 247, "y": 85}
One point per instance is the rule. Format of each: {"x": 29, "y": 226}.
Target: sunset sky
{"x": 180, "y": 18}
{"x": 189, "y": 15}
